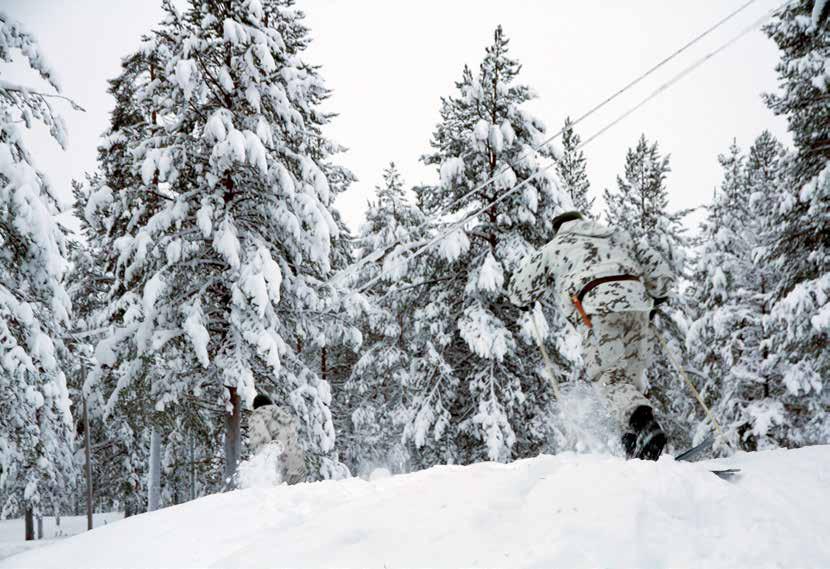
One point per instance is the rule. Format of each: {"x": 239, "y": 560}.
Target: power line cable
{"x": 686, "y": 71}
{"x": 379, "y": 253}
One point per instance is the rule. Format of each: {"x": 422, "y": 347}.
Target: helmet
{"x": 564, "y": 218}
{"x": 566, "y": 211}
{"x": 262, "y": 400}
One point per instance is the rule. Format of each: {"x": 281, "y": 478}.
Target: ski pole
{"x": 683, "y": 373}
{"x": 545, "y": 356}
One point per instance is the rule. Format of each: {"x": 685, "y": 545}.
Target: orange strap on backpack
{"x": 577, "y": 298}
{"x": 578, "y": 304}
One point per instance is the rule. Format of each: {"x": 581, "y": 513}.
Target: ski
{"x": 726, "y": 473}
{"x": 694, "y": 453}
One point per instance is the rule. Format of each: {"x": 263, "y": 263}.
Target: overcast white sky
{"x": 389, "y": 62}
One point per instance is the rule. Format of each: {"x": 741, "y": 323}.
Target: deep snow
{"x": 552, "y": 511}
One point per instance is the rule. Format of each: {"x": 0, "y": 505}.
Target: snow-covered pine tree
{"x": 640, "y": 203}
{"x": 375, "y": 392}
{"x": 798, "y": 250}
{"x": 112, "y": 203}
{"x": 218, "y": 287}
{"x": 726, "y": 293}
{"x": 36, "y": 426}
{"x": 121, "y": 427}
{"x": 765, "y": 168}
{"x": 640, "y": 206}
{"x": 476, "y": 389}
{"x": 571, "y": 168}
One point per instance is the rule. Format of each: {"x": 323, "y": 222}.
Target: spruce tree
{"x": 640, "y": 203}
{"x": 36, "y": 425}
{"x": 766, "y": 166}
{"x": 216, "y": 280}
{"x": 571, "y": 168}
{"x": 725, "y": 338}
{"x": 475, "y": 389}
{"x": 114, "y": 203}
{"x": 798, "y": 224}
{"x": 375, "y": 392}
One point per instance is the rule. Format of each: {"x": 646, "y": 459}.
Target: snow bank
{"x": 552, "y": 511}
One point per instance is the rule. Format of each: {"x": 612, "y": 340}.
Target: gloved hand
{"x": 655, "y": 311}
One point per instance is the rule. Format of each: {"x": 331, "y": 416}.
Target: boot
{"x": 629, "y": 443}
{"x": 647, "y": 440}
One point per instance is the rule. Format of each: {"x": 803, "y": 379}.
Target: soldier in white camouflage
{"x": 270, "y": 424}
{"x": 607, "y": 285}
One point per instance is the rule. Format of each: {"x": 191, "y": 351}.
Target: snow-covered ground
{"x": 552, "y": 511}
{"x": 12, "y": 532}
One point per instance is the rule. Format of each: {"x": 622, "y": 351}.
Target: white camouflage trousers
{"x": 616, "y": 354}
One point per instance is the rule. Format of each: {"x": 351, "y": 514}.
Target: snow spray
{"x": 582, "y": 421}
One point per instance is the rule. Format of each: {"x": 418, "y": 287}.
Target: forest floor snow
{"x": 567, "y": 510}
{"x": 13, "y": 532}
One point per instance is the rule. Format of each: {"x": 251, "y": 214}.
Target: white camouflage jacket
{"x": 272, "y": 424}
{"x": 582, "y": 252}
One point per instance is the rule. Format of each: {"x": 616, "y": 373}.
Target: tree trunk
{"x": 154, "y": 485}
{"x": 30, "y": 524}
{"x": 40, "y": 527}
{"x": 192, "y": 469}
{"x": 87, "y": 445}
{"x": 233, "y": 437}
